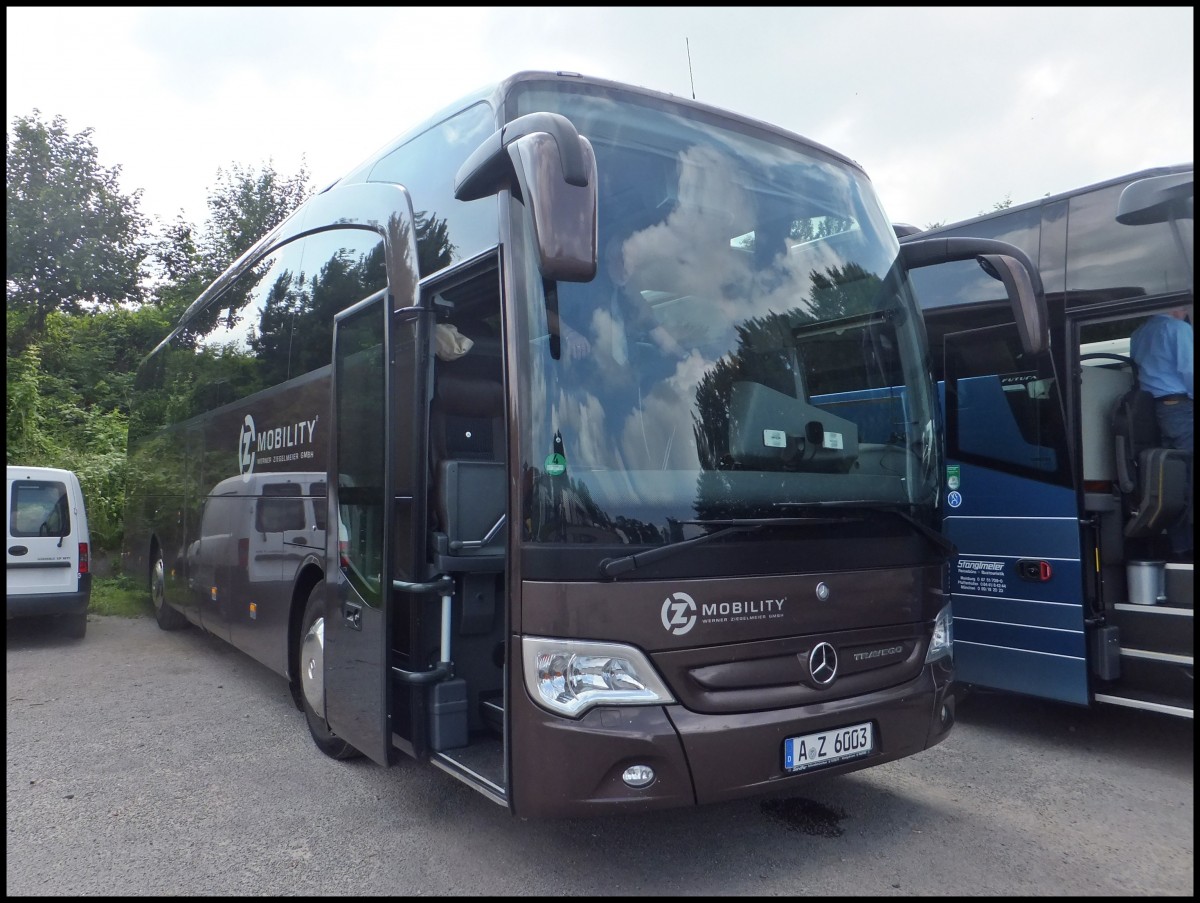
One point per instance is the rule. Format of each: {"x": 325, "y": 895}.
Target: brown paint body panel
{"x": 729, "y": 611}
{"x": 741, "y": 681}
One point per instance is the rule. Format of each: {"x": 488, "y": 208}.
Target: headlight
{"x": 942, "y": 643}
{"x": 569, "y": 677}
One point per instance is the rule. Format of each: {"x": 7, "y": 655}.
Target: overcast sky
{"x": 949, "y": 110}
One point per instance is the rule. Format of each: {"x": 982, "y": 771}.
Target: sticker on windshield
{"x": 556, "y": 461}
{"x": 954, "y": 499}
{"x": 953, "y": 477}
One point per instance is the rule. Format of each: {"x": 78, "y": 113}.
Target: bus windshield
{"x": 749, "y": 345}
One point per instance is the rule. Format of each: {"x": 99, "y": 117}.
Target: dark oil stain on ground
{"x": 810, "y": 817}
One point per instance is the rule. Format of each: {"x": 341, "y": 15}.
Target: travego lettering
{"x": 877, "y": 653}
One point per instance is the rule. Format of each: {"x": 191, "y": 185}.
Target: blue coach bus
{"x": 1058, "y": 490}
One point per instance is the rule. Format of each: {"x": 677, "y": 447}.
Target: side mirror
{"x": 545, "y": 162}
{"x": 1156, "y": 200}
{"x": 1000, "y": 260}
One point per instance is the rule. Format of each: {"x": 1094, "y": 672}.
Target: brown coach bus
{"x": 612, "y": 452}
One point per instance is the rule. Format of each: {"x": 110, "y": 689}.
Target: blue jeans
{"x": 1175, "y": 420}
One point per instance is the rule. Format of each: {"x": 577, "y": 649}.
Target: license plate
{"x": 827, "y": 747}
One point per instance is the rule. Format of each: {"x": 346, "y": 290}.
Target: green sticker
{"x": 952, "y": 477}
{"x": 556, "y": 465}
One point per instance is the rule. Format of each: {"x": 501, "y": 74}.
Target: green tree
{"x": 245, "y": 205}
{"x": 93, "y": 358}
{"x": 81, "y": 263}
{"x": 49, "y": 427}
{"x": 999, "y": 205}
{"x": 75, "y": 241}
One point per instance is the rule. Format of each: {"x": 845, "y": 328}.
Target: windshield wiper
{"x": 934, "y": 537}
{"x": 928, "y": 532}
{"x": 611, "y": 567}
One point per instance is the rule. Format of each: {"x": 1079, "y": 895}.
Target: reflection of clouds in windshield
{"x": 722, "y": 264}
{"x": 794, "y": 288}
{"x": 603, "y": 332}
{"x": 585, "y": 430}
{"x": 690, "y": 251}
{"x": 711, "y": 266}
{"x": 658, "y": 434}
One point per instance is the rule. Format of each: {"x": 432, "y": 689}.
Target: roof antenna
{"x": 690, "y": 76}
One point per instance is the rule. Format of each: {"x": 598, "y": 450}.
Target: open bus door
{"x": 1017, "y": 581}
{"x": 377, "y": 496}
{"x": 1010, "y": 507}
{"x": 378, "y": 681}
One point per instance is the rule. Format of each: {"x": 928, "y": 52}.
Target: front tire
{"x": 311, "y": 657}
{"x": 168, "y": 618}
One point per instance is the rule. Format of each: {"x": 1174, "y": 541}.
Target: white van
{"x": 46, "y": 565}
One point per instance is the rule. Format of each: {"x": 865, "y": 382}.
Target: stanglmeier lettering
{"x": 288, "y": 436}
{"x": 756, "y": 607}
{"x": 969, "y": 564}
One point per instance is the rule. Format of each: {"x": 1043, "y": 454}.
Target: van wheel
{"x": 311, "y": 657}
{"x": 168, "y": 618}
{"x": 75, "y": 626}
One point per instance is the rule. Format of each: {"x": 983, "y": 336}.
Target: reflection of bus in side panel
{"x": 227, "y": 511}
{"x": 605, "y": 541}
{"x": 1061, "y": 490}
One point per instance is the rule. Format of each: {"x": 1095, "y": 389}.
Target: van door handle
{"x": 18, "y": 550}
{"x": 352, "y": 613}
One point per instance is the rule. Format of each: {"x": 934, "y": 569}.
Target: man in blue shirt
{"x": 1162, "y": 348}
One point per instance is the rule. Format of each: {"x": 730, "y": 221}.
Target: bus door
{"x": 376, "y": 484}
{"x": 356, "y": 616}
{"x": 1010, "y": 508}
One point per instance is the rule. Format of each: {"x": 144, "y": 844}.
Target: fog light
{"x": 638, "y": 776}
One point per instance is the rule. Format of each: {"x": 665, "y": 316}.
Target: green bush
{"x": 119, "y": 596}
{"x": 47, "y": 427}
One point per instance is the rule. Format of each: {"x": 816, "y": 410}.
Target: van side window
{"x": 276, "y": 515}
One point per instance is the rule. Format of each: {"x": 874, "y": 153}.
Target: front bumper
{"x": 573, "y": 768}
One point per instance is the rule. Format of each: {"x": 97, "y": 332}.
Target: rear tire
{"x": 168, "y": 618}
{"x": 310, "y": 654}
{"x": 74, "y": 626}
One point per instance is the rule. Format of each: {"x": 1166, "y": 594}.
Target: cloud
{"x": 949, "y": 110}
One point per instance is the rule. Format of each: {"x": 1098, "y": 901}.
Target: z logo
{"x": 246, "y": 448}
{"x": 679, "y": 613}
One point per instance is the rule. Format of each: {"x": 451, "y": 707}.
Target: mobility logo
{"x": 680, "y": 613}
{"x": 276, "y": 445}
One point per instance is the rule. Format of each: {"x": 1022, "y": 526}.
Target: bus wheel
{"x": 168, "y": 618}
{"x": 311, "y": 656}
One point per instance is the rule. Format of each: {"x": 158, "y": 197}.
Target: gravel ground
{"x": 149, "y": 763}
